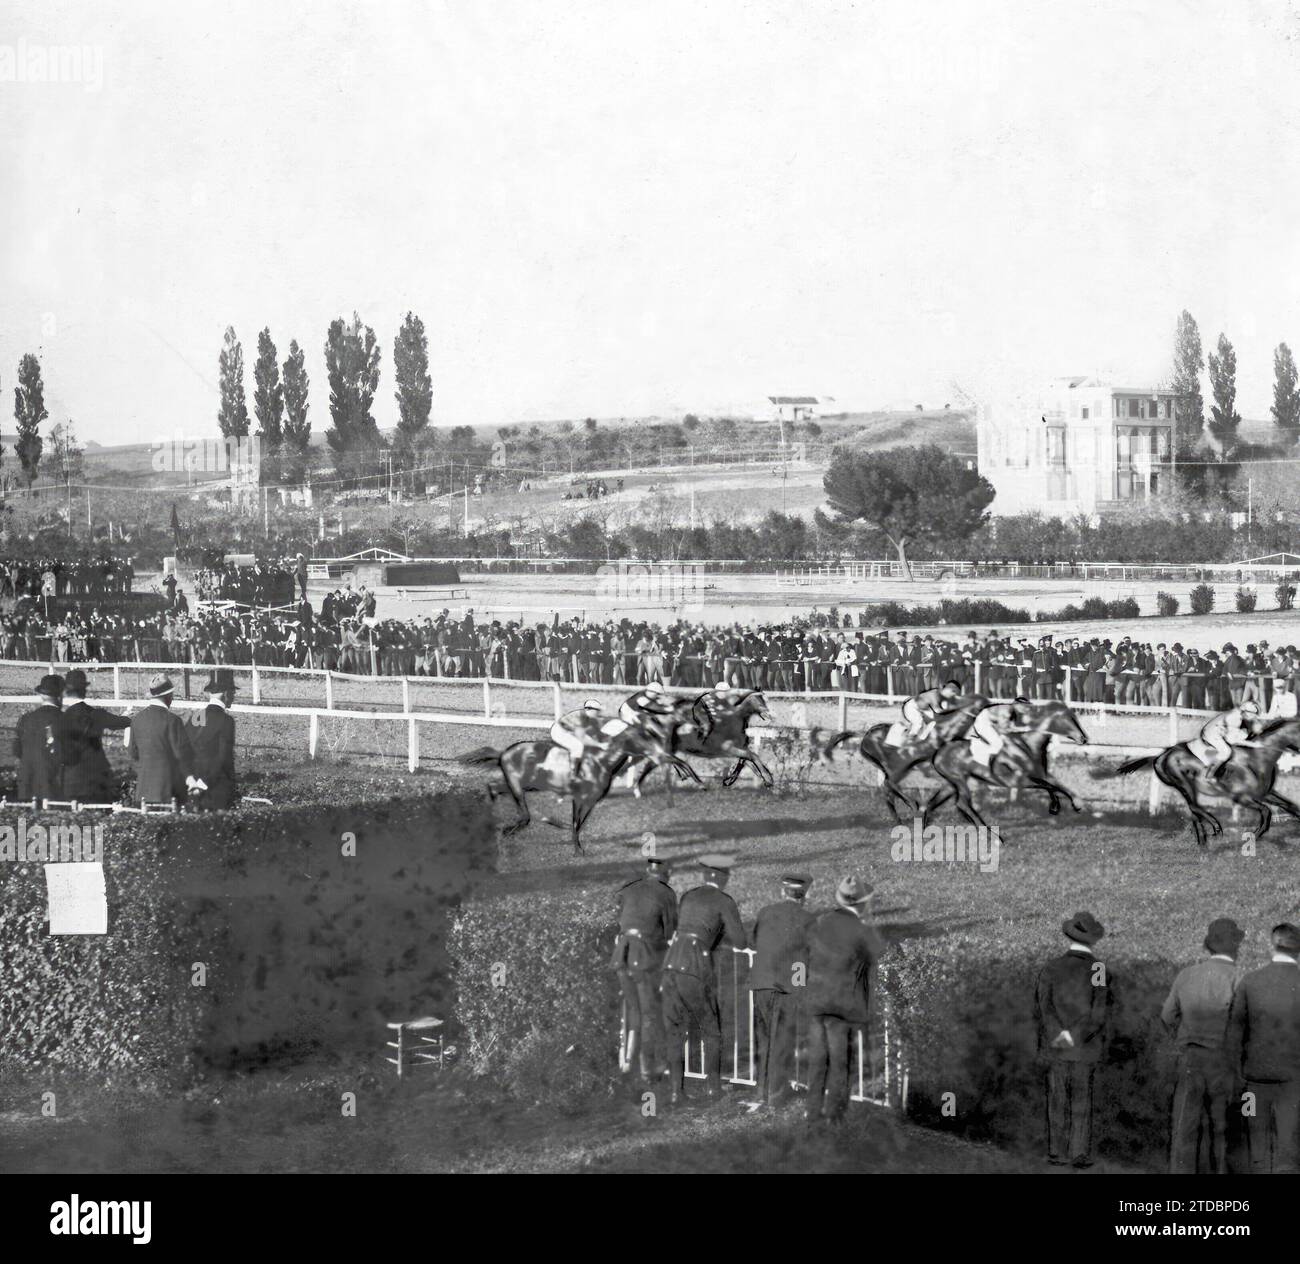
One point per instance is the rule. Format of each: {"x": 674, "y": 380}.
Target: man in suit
{"x": 647, "y": 918}
{"x": 707, "y": 920}
{"x": 87, "y": 775}
{"x": 160, "y": 745}
{"x": 777, "y": 979}
{"x": 1072, "y": 1011}
{"x": 1264, "y": 1044}
{"x": 1196, "y": 1012}
{"x": 212, "y": 735}
{"x": 38, "y": 744}
{"x": 843, "y": 955}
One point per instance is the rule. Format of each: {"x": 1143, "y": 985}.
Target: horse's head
{"x": 1280, "y": 734}
{"x": 753, "y": 703}
{"x": 1056, "y": 718}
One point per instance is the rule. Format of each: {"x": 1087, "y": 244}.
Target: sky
{"x": 624, "y": 208}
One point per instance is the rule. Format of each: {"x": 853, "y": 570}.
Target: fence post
{"x": 487, "y": 698}
{"x": 1069, "y": 683}
{"x": 1173, "y": 726}
{"x": 1153, "y": 798}
{"x": 406, "y": 694}
{"x": 889, "y": 682}
{"x": 329, "y": 690}
{"x": 979, "y": 672}
{"x": 559, "y": 702}
{"x": 117, "y": 682}
{"x": 313, "y": 734}
{"x": 844, "y": 711}
{"x": 412, "y": 745}
{"x": 257, "y": 686}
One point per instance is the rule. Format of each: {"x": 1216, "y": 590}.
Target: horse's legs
{"x": 893, "y": 796}
{"x": 1281, "y": 801}
{"x": 1055, "y": 792}
{"x": 521, "y": 802}
{"x": 936, "y": 800}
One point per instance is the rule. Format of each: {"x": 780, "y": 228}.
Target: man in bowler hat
{"x": 1196, "y": 1013}
{"x": 778, "y": 980}
{"x": 1264, "y": 1044}
{"x": 1072, "y": 1010}
{"x": 212, "y": 735}
{"x": 38, "y": 743}
{"x": 87, "y": 775}
{"x": 160, "y": 747}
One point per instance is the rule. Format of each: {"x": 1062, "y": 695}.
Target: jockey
{"x": 1229, "y": 729}
{"x": 650, "y": 705}
{"x": 713, "y": 704}
{"x": 578, "y": 732}
{"x": 989, "y": 731}
{"x": 924, "y": 708}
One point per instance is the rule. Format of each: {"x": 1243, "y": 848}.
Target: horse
{"x": 690, "y": 731}
{"x": 1021, "y": 763}
{"x": 895, "y": 762}
{"x": 1248, "y": 777}
{"x": 525, "y": 766}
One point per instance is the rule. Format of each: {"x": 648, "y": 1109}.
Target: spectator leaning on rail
{"x": 160, "y": 746}
{"x": 87, "y": 775}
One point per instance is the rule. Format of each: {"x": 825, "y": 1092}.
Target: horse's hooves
{"x": 1054, "y": 810}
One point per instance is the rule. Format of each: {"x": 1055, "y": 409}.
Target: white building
{"x": 1077, "y": 446}
{"x": 800, "y": 407}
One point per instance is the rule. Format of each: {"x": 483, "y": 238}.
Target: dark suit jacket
{"x": 87, "y": 775}
{"x": 780, "y": 939}
{"x": 842, "y": 955}
{"x": 1067, "y": 999}
{"x": 1264, "y": 1024}
{"x": 212, "y": 735}
{"x": 647, "y": 908}
{"x": 160, "y": 745}
{"x": 38, "y": 745}
{"x": 707, "y": 919}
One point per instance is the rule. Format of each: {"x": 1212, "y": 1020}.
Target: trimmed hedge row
{"x": 241, "y": 938}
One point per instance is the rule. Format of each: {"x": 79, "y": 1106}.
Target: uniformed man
{"x": 212, "y": 735}
{"x": 87, "y": 775}
{"x": 647, "y": 918}
{"x": 38, "y": 744}
{"x": 707, "y": 920}
{"x": 843, "y": 953}
{"x": 777, "y": 979}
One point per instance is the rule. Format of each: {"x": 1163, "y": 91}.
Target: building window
{"x": 1085, "y": 412}
{"x": 1056, "y": 446}
{"x": 1135, "y": 408}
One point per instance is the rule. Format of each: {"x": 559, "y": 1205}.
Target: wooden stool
{"x": 416, "y": 1043}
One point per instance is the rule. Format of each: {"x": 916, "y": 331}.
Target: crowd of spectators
{"x": 57, "y": 577}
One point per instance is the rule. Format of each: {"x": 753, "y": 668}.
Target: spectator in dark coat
{"x": 160, "y": 746}
{"x": 843, "y": 953}
{"x": 87, "y": 775}
{"x": 212, "y": 735}
{"x": 38, "y": 744}
{"x": 1264, "y": 1044}
{"x": 647, "y": 919}
{"x": 1072, "y": 1009}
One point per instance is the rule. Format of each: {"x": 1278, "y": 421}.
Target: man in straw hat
{"x": 87, "y": 775}
{"x": 778, "y": 979}
{"x": 212, "y": 734}
{"x": 1264, "y": 1045}
{"x": 38, "y": 743}
{"x": 843, "y": 955}
{"x": 1072, "y": 1011}
{"x": 160, "y": 746}
{"x": 707, "y": 920}
{"x": 1196, "y": 1012}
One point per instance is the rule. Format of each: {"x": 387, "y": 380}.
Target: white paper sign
{"x": 78, "y": 900}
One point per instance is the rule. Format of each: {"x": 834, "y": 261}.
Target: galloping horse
{"x": 1021, "y": 764}
{"x": 1248, "y": 777}
{"x": 541, "y": 765}
{"x": 895, "y": 762}
{"x": 691, "y": 731}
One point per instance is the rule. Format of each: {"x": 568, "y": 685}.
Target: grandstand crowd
{"x": 803, "y": 654}
{"x": 57, "y": 577}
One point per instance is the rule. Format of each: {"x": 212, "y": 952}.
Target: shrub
{"x": 1166, "y": 604}
{"x": 1122, "y": 608}
{"x": 1285, "y": 595}
{"x": 1202, "y": 599}
{"x": 1245, "y": 598}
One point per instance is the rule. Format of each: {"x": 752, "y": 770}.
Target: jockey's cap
{"x": 721, "y": 687}
{"x": 654, "y": 687}
{"x": 1249, "y": 708}
{"x": 591, "y": 705}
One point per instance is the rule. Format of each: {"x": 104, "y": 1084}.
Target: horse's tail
{"x": 837, "y": 738}
{"x": 1131, "y": 766}
{"x": 480, "y": 755}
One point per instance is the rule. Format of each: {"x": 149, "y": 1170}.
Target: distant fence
{"x": 1124, "y": 572}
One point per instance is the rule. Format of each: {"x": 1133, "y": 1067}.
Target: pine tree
{"x": 1286, "y": 394}
{"x": 1186, "y": 382}
{"x": 29, "y": 412}
{"x": 268, "y": 406}
{"x": 297, "y": 425}
{"x": 414, "y": 392}
{"x": 1224, "y": 418}
{"x": 232, "y": 416}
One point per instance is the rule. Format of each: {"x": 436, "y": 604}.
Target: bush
{"x": 1285, "y": 595}
{"x": 1245, "y": 598}
{"x": 306, "y": 951}
{"x": 1122, "y": 608}
{"x": 1166, "y": 604}
{"x": 1202, "y": 599}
